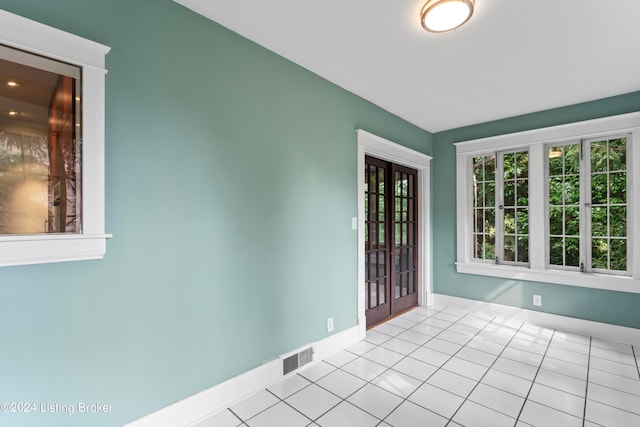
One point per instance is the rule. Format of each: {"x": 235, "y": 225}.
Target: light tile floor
{"x": 445, "y": 366}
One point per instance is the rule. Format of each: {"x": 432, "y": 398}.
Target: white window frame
{"x": 585, "y": 204}
{"x": 497, "y": 233}
{"x": 40, "y": 39}
{"x": 581, "y": 208}
{"x": 498, "y": 208}
{"x": 630, "y": 211}
{"x": 536, "y": 141}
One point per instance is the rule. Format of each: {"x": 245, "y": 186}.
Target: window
{"x": 514, "y": 207}
{"x": 500, "y": 184}
{"x": 51, "y": 144}
{"x": 484, "y": 212}
{"x": 40, "y": 128}
{"x": 552, "y": 205}
{"x": 588, "y": 208}
{"x": 607, "y": 173}
{"x": 564, "y": 206}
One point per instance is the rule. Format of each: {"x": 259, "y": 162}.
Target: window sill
{"x": 42, "y": 249}
{"x": 571, "y": 278}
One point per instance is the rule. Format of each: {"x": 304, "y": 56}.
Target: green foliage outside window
{"x": 607, "y": 188}
{"x": 513, "y": 211}
{"x": 609, "y": 204}
{"x": 564, "y": 207}
{"x": 515, "y": 168}
{"x": 484, "y": 199}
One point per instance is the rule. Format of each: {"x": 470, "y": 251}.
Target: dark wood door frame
{"x": 391, "y": 239}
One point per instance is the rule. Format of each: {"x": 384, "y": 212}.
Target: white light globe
{"x": 446, "y": 15}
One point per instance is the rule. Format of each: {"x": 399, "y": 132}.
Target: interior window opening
{"x": 40, "y": 150}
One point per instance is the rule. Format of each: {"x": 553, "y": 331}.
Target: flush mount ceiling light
{"x": 438, "y": 16}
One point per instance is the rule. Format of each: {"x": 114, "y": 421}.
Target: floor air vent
{"x": 297, "y": 360}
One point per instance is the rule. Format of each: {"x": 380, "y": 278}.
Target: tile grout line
{"x": 493, "y": 319}
{"x": 439, "y": 367}
{"x": 635, "y": 357}
{"x": 329, "y": 391}
{"x": 405, "y": 356}
{"x": 551, "y": 407}
{"x": 237, "y": 416}
{"x": 287, "y": 403}
{"x": 342, "y": 399}
{"x": 404, "y": 399}
{"x": 386, "y": 370}
{"x": 468, "y": 314}
{"x": 483, "y": 375}
{"x": 604, "y": 386}
{"x": 506, "y": 373}
{"x": 367, "y": 382}
{"x": 586, "y": 388}
{"x": 533, "y": 381}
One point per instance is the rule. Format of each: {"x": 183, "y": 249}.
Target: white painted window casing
{"x": 30, "y": 36}
{"x": 537, "y": 141}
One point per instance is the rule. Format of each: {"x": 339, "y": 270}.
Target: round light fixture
{"x": 438, "y": 16}
{"x": 13, "y": 83}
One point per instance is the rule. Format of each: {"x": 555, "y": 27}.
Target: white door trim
{"x": 372, "y": 145}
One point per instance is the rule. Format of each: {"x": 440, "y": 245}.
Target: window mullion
{"x": 499, "y": 209}
{"x": 633, "y": 192}
{"x": 585, "y": 206}
{"x": 538, "y": 207}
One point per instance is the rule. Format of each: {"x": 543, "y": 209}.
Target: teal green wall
{"x": 605, "y": 306}
{"x": 230, "y": 187}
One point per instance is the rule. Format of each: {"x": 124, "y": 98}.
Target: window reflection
{"x": 39, "y": 145}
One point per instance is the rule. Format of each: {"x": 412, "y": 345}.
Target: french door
{"x": 391, "y": 239}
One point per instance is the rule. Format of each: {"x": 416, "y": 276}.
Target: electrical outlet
{"x": 330, "y": 324}
{"x": 537, "y": 300}
{"x": 354, "y": 223}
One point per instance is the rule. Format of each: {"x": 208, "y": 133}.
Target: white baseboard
{"x": 334, "y": 343}
{"x": 564, "y": 323}
{"x": 202, "y": 405}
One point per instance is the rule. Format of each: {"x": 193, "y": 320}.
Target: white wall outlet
{"x": 354, "y": 222}
{"x": 537, "y": 300}
{"x": 330, "y": 324}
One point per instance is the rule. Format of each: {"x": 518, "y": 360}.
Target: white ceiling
{"x": 513, "y": 57}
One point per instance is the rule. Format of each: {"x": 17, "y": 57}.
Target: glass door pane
{"x": 377, "y": 252}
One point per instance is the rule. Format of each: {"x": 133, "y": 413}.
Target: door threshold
{"x": 393, "y": 316}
